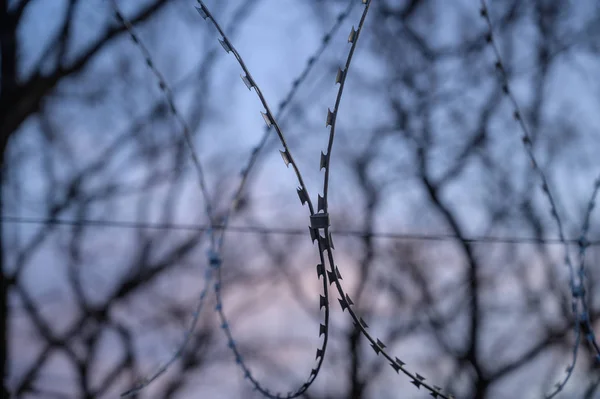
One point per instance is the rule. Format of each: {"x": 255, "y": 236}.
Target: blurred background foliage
{"x": 103, "y": 234}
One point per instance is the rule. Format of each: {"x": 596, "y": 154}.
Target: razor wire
{"x": 213, "y": 253}
{"x": 578, "y": 298}
{"x": 319, "y": 220}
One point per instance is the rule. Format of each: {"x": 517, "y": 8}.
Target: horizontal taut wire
{"x": 283, "y": 231}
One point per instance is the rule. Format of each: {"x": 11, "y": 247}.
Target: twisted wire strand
{"x": 168, "y": 94}
{"x": 333, "y": 273}
{"x": 560, "y": 384}
{"x": 577, "y": 291}
{"x": 583, "y": 244}
{"x": 188, "y": 334}
{"x": 579, "y": 302}
{"x": 215, "y": 255}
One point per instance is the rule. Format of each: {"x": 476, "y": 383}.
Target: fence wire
{"x": 320, "y": 230}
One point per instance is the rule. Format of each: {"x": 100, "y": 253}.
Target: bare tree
{"x": 452, "y": 129}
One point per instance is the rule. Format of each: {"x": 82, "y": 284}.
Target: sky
{"x": 275, "y": 42}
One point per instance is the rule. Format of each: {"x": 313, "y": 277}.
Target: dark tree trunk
{"x": 8, "y": 69}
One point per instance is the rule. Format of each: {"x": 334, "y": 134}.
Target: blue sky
{"x": 275, "y": 41}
